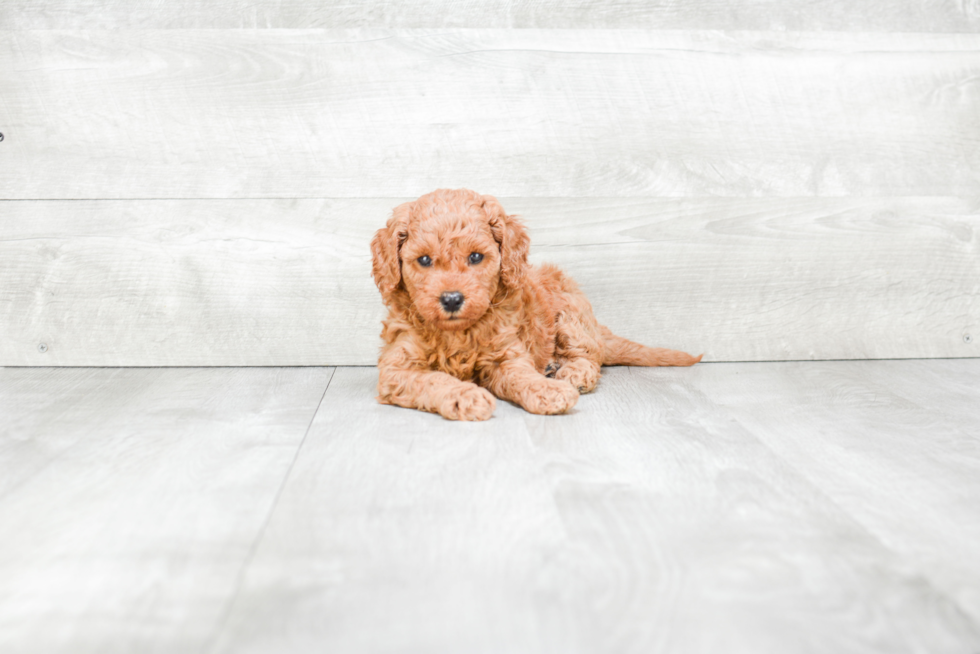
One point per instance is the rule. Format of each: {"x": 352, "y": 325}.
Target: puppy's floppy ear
{"x": 385, "y": 247}
{"x": 513, "y": 240}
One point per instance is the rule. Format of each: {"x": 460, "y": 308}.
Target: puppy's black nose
{"x": 451, "y": 301}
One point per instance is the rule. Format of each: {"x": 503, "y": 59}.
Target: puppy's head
{"x": 448, "y": 253}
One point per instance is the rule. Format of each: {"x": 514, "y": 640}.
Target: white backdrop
{"x": 191, "y": 185}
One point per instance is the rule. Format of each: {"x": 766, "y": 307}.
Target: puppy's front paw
{"x": 468, "y": 402}
{"x": 550, "y": 396}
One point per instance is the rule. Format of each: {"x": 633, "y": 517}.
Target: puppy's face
{"x": 446, "y": 254}
{"x": 450, "y": 266}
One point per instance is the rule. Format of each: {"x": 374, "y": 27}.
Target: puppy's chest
{"x": 470, "y": 355}
{"x": 460, "y": 363}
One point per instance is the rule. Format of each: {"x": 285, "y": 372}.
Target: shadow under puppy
{"x": 469, "y": 318}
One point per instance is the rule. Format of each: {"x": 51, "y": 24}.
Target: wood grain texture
{"x": 381, "y": 500}
{"x": 647, "y": 520}
{"x": 275, "y": 282}
{"x": 52, "y": 402}
{"x": 130, "y": 499}
{"x": 191, "y": 282}
{"x": 894, "y": 443}
{"x": 521, "y": 113}
{"x": 858, "y": 15}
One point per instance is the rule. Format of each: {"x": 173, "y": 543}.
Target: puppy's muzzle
{"x": 451, "y": 301}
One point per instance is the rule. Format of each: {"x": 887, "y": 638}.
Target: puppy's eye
{"x": 476, "y": 258}
{"x": 424, "y": 261}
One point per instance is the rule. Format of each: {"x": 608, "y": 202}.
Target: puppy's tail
{"x": 622, "y": 352}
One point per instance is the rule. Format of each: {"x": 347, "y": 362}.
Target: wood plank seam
{"x": 239, "y": 578}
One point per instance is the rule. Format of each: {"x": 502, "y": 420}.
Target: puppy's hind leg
{"x": 579, "y": 351}
{"x": 580, "y": 373}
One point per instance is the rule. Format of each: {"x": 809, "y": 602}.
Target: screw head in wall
{"x": 967, "y": 339}
{"x": 1, "y": 136}
{"x": 42, "y": 348}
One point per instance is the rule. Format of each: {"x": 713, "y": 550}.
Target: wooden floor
{"x": 759, "y": 507}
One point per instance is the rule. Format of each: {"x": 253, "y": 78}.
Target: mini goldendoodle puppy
{"x": 469, "y": 318}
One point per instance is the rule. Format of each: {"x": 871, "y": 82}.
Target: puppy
{"x": 469, "y": 318}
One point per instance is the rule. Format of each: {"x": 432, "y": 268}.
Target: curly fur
{"x": 523, "y": 333}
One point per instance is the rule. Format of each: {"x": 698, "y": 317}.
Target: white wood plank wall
{"x": 757, "y": 181}
{"x": 856, "y": 15}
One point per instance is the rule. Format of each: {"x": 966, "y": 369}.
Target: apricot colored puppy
{"x": 469, "y": 318}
